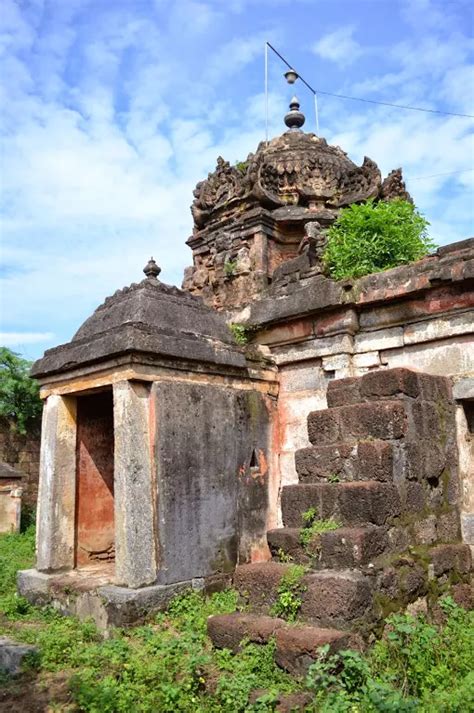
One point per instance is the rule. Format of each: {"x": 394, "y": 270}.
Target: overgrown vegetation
{"x": 290, "y": 589}
{"x": 370, "y": 237}
{"x": 240, "y": 333}
{"x": 168, "y": 664}
{"x": 415, "y": 667}
{"x": 313, "y": 527}
{"x": 20, "y": 404}
{"x": 230, "y": 266}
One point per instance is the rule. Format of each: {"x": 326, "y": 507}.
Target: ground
{"x": 168, "y": 663}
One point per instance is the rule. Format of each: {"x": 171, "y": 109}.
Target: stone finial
{"x": 295, "y": 118}
{"x": 151, "y": 269}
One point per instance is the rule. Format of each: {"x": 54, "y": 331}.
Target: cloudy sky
{"x": 112, "y": 110}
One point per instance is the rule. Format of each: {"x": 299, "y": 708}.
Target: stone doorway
{"x": 94, "y": 520}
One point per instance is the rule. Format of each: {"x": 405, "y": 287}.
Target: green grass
{"x": 169, "y": 665}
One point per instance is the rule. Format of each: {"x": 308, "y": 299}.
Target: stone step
{"x": 344, "y": 548}
{"x": 362, "y": 460}
{"x": 387, "y": 384}
{"x": 297, "y": 647}
{"x": 226, "y": 631}
{"x": 340, "y": 599}
{"x": 357, "y": 503}
{"x": 329, "y": 598}
{"x": 386, "y": 420}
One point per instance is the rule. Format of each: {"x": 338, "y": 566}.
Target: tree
{"x": 370, "y": 237}
{"x": 20, "y": 403}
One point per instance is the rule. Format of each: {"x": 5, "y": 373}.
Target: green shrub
{"x": 20, "y": 403}
{"x": 370, "y": 237}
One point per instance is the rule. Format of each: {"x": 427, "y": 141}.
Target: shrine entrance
{"x": 94, "y": 521}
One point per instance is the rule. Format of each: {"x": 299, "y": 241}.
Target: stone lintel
{"x": 464, "y": 388}
{"x": 57, "y": 485}
{"x": 135, "y": 525}
{"x": 96, "y": 376}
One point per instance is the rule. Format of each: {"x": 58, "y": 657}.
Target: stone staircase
{"x": 382, "y": 471}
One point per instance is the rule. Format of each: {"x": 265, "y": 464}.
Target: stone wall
{"x": 22, "y": 453}
{"x": 419, "y": 316}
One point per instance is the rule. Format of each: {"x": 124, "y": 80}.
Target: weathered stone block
{"x": 259, "y": 582}
{"x": 439, "y": 328}
{"x": 314, "y": 348}
{"x": 335, "y": 598}
{"x": 297, "y": 647}
{"x": 389, "y": 383}
{"x": 349, "y": 503}
{"x": 381, "y": 339}
{"x": 447, "y": 558}
{"x": 287, "y": 540}
{"x": 366, "y": 360}
{"x": 13, "y": 654}
{"x": 350, "y": 547}
{"x": 379, "y": 419}
{"x": 364, "y": 460}
{"x": 226, "y": 631}
{"x": 342, "y": 392}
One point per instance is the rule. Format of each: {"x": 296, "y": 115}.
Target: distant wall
{"x": 22, "y": 453}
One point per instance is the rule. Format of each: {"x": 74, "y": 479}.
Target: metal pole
{"x": 266, "y": 92}
{"x": 316, "y": 113}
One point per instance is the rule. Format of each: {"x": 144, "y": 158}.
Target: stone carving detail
{"x": 219, "y": 189}
{"x": 294, "y": 180}
{"x": 394, "y": 187}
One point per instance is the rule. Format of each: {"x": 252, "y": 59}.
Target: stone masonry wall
{"x": 22, "y": 453}
{"x": 419, "y": 316}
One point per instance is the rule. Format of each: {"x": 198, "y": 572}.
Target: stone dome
{"x": 294, "y": 169}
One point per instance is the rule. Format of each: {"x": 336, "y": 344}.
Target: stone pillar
{"x": 464, "y": 393}
{"x": 135, "y": 535}
{"x": 57, "y": 485}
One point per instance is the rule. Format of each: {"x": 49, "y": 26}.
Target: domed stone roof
{"x": 151, "y": 318}
{"x": 294, "y": 169}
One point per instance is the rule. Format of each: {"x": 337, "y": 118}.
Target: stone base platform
{"x": 89, "y": 592}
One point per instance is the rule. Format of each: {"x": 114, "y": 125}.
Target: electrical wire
{"x": 435, "y": 175}
{"x": 369, "y": 101}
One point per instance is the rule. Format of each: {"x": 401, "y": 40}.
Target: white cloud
{"x": 339, "y": 46}
{"x": 12, "y": 339}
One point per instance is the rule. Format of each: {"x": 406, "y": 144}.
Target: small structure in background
{"x": 10, "y": 498}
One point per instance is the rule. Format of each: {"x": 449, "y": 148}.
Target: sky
{"x": 112, "y": 110}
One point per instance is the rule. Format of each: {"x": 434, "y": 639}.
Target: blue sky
{"x": 112, "y": 110}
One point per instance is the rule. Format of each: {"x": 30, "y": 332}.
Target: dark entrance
{"x": 95, "y": 479}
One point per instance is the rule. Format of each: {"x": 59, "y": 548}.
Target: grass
{"x": 169, "y": 665}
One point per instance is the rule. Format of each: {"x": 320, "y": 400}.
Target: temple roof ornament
{"x": 295, "y": 118}
{"x": 151, "y": 269}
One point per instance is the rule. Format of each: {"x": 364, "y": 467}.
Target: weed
{"x": 230, "y": 266}
{"x": 415, "y": 667}
{"x": 284, "y": 556}
{"x": 242, "y": 166}
{"x": 314, "y": 526}
{"x": 334, "y": 478}
{"x": 290, "y": 588}
{"x": 240, "y": 333}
